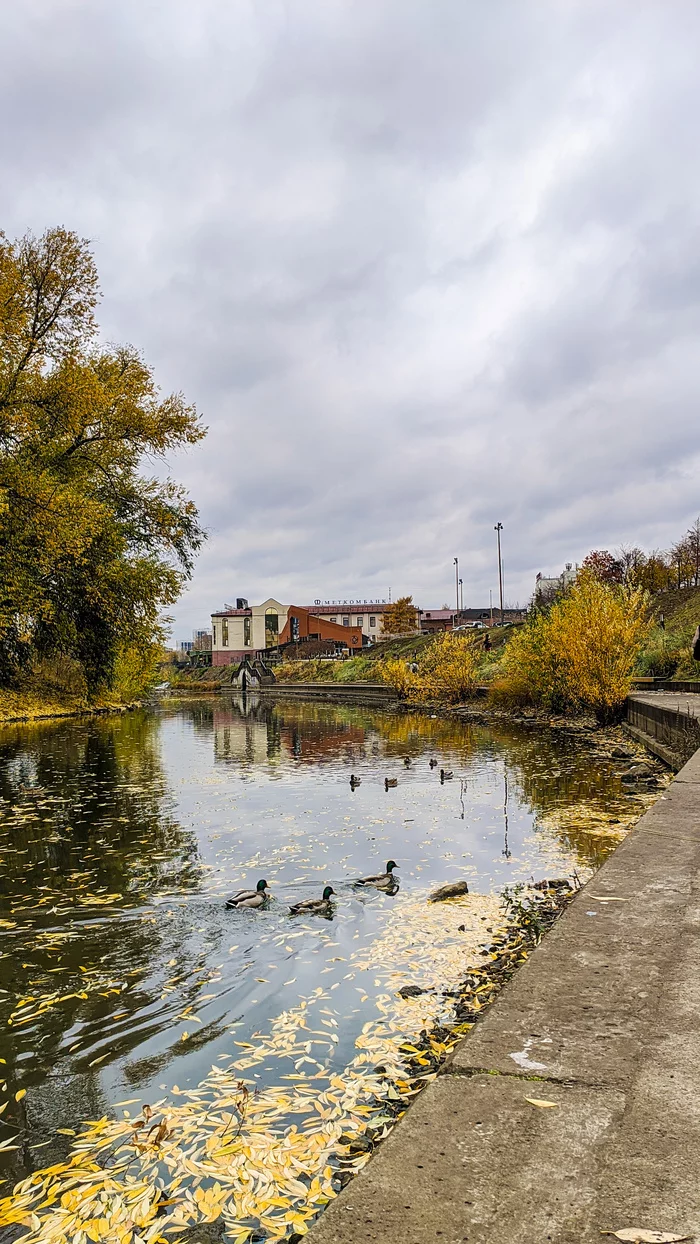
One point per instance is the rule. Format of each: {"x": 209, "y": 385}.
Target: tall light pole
{"x": 457, "y": 582}
{"x": 461, "y": 595}
{"x": 498, "y": 529}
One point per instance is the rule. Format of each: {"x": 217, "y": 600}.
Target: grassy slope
{"x": 667, "y": 651}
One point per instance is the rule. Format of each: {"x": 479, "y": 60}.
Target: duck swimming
{"x": 249, "y": 898}
{"x": 407, "y": 761}
{"x": 433, "y": 764}
{"x": 354, "y": 781}
{"x": 382, "y": 881}
{"x": 445, "y": 775}
{"x": 390, "y": 782}
{"x": 315, "y": 906}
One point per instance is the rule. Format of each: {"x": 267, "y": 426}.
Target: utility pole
{"x": 457, "y": 582}
{"x": 498, "y": 529}
{"x": 491, "y": 605}
{"x": 461, "y": 595}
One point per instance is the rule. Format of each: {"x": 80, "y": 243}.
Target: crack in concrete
{"x": 469, "y": 1072}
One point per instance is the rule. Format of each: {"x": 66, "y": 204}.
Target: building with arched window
{"x": 249, "y": 629}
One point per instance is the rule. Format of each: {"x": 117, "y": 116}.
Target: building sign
{"x": 351, "y": 602}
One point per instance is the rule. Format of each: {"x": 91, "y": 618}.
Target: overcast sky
{"x": 422, "y": 265}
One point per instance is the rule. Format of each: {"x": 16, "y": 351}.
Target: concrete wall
{"x": 661, "y": 723}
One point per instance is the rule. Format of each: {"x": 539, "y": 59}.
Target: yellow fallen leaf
{"x": 639, "y": 1235}
{"x": 540, "y": 1101}
{"x": 20, "y": 1094}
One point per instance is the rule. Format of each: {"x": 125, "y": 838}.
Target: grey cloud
{"x": 421, "y": 267}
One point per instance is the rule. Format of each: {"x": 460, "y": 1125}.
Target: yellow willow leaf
{"x": 20, "y": 1094}
{"x": 540, "y": 1101}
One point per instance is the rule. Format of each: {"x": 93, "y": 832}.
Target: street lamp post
{"x": 456, "y": 560}
{"x": 461, "y": 595}
{"x": 498, "y": 529}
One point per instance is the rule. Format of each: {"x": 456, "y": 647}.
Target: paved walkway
{"x": 604, "y": 1021}
{"x": 677, "y": 701}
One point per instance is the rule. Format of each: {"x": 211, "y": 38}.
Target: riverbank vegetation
{"x": 92, "y": 548}
{"x": 576, "y": 654}
{"x": 580, "y": 654}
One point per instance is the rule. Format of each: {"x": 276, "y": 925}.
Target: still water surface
{"x": 123, "y": 978}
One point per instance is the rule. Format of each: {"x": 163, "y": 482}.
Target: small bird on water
{"x": 433, "y": 764}
{"x": 390, "y": 782}
{"x": 315, "y": 906}
{"x": 249, "y": 898}
{"x": 445, "y": 775}
{"x": 381, "y": 881}
{"x": 407, "y": 761}
{"x": 354, "y": 781}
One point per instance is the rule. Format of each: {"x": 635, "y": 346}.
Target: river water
{"x": 251, "y": 1039}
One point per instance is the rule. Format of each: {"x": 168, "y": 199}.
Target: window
{"x": 246, "y": 632}
{"x": 428, "y": 615}
{"x": 346, "y": 621}
{"x": 372, "y": 622}
{"x": 224, "y": 632}
{"x": 271, "y": 628}
{"x": 213, "y": 636}
{"x": 360, "y": 621}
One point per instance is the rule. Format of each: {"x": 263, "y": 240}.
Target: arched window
{"x": 271, "y": 628}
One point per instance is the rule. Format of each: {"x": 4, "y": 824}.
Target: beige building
{"x": 247, "y": 629}
{"x": 366, "y": 615}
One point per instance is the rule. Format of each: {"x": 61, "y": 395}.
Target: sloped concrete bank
{"x": 604, "y": 1022}
{"x": 667, "y": 722}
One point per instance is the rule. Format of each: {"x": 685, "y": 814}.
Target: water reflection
{"x": 120, "y": 837}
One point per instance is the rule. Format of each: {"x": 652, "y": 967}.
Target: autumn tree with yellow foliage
{"x": 91, "y": 548}
{"x": 400, "y": 618}
{"x": 445, "y": 672}
{"x": 580, "y": 654}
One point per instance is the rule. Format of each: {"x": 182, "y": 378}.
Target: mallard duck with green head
{"x": 249, "y": 898}
{"x": 315, "y": 906}
{"x": 382, "y": 881}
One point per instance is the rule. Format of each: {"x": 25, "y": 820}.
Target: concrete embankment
{"x": 604, "y": 1022}
{"x": 667, "y": 722}
{"x": 337, "y": 692}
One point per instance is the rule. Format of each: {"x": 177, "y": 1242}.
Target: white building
{"x": 547, "y": 587}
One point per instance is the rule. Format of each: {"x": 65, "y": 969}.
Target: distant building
{"x": 247, "y": 630}
{"x": 432, "y": 620}
{"x": 547, "y": 587}
{"x": 368, "y": 615}
{"x": 186, "y": 645}
{"x": 201, "y": 641}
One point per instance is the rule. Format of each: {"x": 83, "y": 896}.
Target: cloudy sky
{"x": 422, "y": 265}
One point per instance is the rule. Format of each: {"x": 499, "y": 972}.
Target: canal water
{"x": 210, "y": 1059}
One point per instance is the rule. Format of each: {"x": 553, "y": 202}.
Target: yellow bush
{"x": 582, "y": 653}
{"x": 135, "y": 670}
{"x": 446, "y": 671}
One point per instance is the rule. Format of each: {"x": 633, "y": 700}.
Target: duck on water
{"x": 314, "y": 906}
{"x": 249, "y": 898}
{"x": 381, "y": 881}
